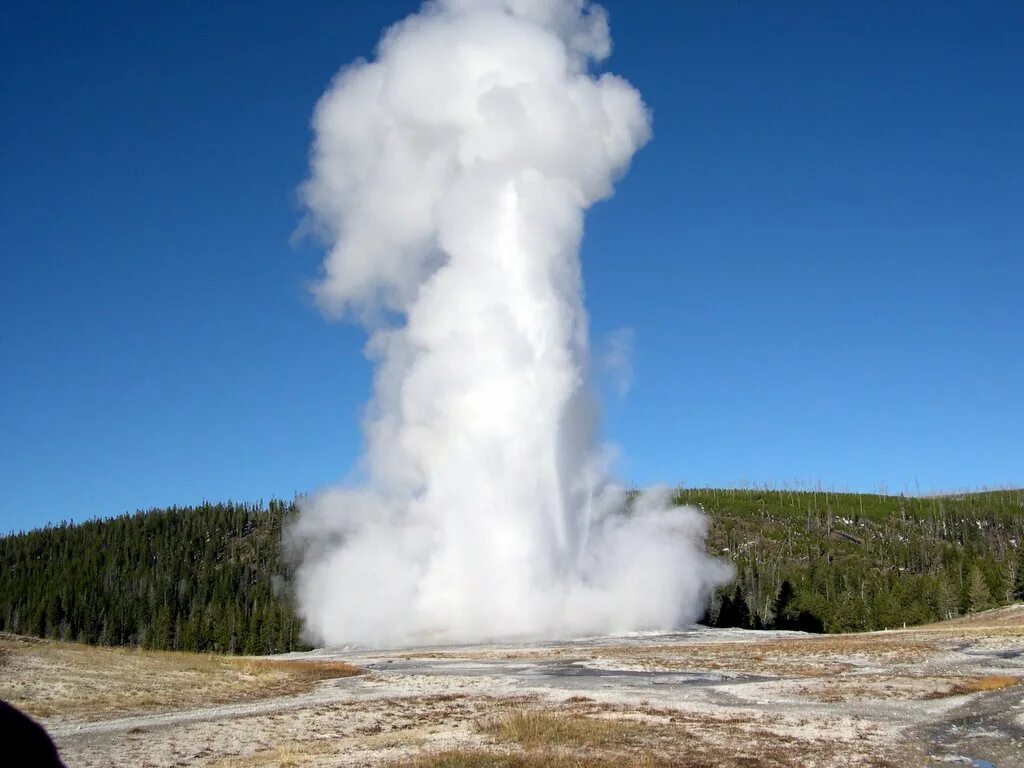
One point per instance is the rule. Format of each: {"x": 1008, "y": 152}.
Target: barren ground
{"x": 945, "y": 694}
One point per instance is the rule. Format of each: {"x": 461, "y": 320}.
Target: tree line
{"x": 212, "y": 577}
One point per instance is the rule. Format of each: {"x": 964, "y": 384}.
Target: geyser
{"x": 450, "y": 176}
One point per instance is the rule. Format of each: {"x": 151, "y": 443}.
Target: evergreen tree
{"x": 946, "y": 603}
{"x": 979, "y": 596}
{"x": 1018, "y": 581}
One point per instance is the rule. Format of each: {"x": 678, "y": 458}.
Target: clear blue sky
{"x": 821, "y": 253}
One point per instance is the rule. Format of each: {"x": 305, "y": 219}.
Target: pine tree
{"x": 1018, "y": 582}
{"x": 945, "y": 598}
{"x": 979, "y": 597}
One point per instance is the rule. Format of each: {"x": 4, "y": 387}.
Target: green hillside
{"x": 212, "y": 578}
{"x": 207, "y": 578}
{"x": 861, "y": 561}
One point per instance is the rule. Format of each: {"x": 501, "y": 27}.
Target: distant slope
{"x": 211, "y": 578}
{"x": 861, "y": 561}
{"x": 190, "y": 578}
{"x": 1005, "y": 617}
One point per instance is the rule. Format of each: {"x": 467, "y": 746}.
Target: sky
{"x": 818, "y": 260}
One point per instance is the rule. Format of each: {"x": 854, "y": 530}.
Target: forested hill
{"x": 189, "y": 578}
{"x": 212, "y": 577}
{"x": 852, "y": 562}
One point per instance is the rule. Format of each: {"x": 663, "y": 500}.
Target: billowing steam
{"x": 450, "y": 176}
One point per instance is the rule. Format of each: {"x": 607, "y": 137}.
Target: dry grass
{"x": 476, "y": 758}
{"x": 886, "y": 646}
{"x": 903, "y": 688}
{"x": 707, "y": 756}
{"x": 300, "y": 668}
{"x": 1008, "y": 617}
{"x": 77, "y": 682}
{"x": 537, "y": 728}
{"x": 599, "y": 735}
{"x": 984, "y": 684}
{"x": 817, "y": 656}
{"x": 876, "y": 687}
{"x": 290, "y": 755}
{"x": 736, "y": 658}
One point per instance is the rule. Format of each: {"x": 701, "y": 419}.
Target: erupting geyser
{"x": 450, "y": 176}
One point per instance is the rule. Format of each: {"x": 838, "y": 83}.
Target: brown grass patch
{"x": 737, "y": 658}
{"x": 598, "y": 735}
{"x": 889, "y": 647}
{"x": 301, "y": 668}
{"x": 537, "y": 728}
{"x": 80, "y": 682}
{"x": 801, "y": 656}
{"x": 984, "y": 684}
{"x": 874, "y": 687}
{"x": 1006, "y": 617}
{"x": 477, "y": 758}
{"x": 291, "y": 755}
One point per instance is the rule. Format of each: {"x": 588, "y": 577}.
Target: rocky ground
{"x": 945, "y": 694}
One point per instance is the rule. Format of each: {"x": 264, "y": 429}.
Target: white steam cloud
{"x": 450, "y": 176}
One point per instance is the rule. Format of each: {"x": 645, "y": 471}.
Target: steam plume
{"x": 450, "y": 176}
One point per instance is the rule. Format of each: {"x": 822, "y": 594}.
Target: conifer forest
{"x": 215, "y": 577}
